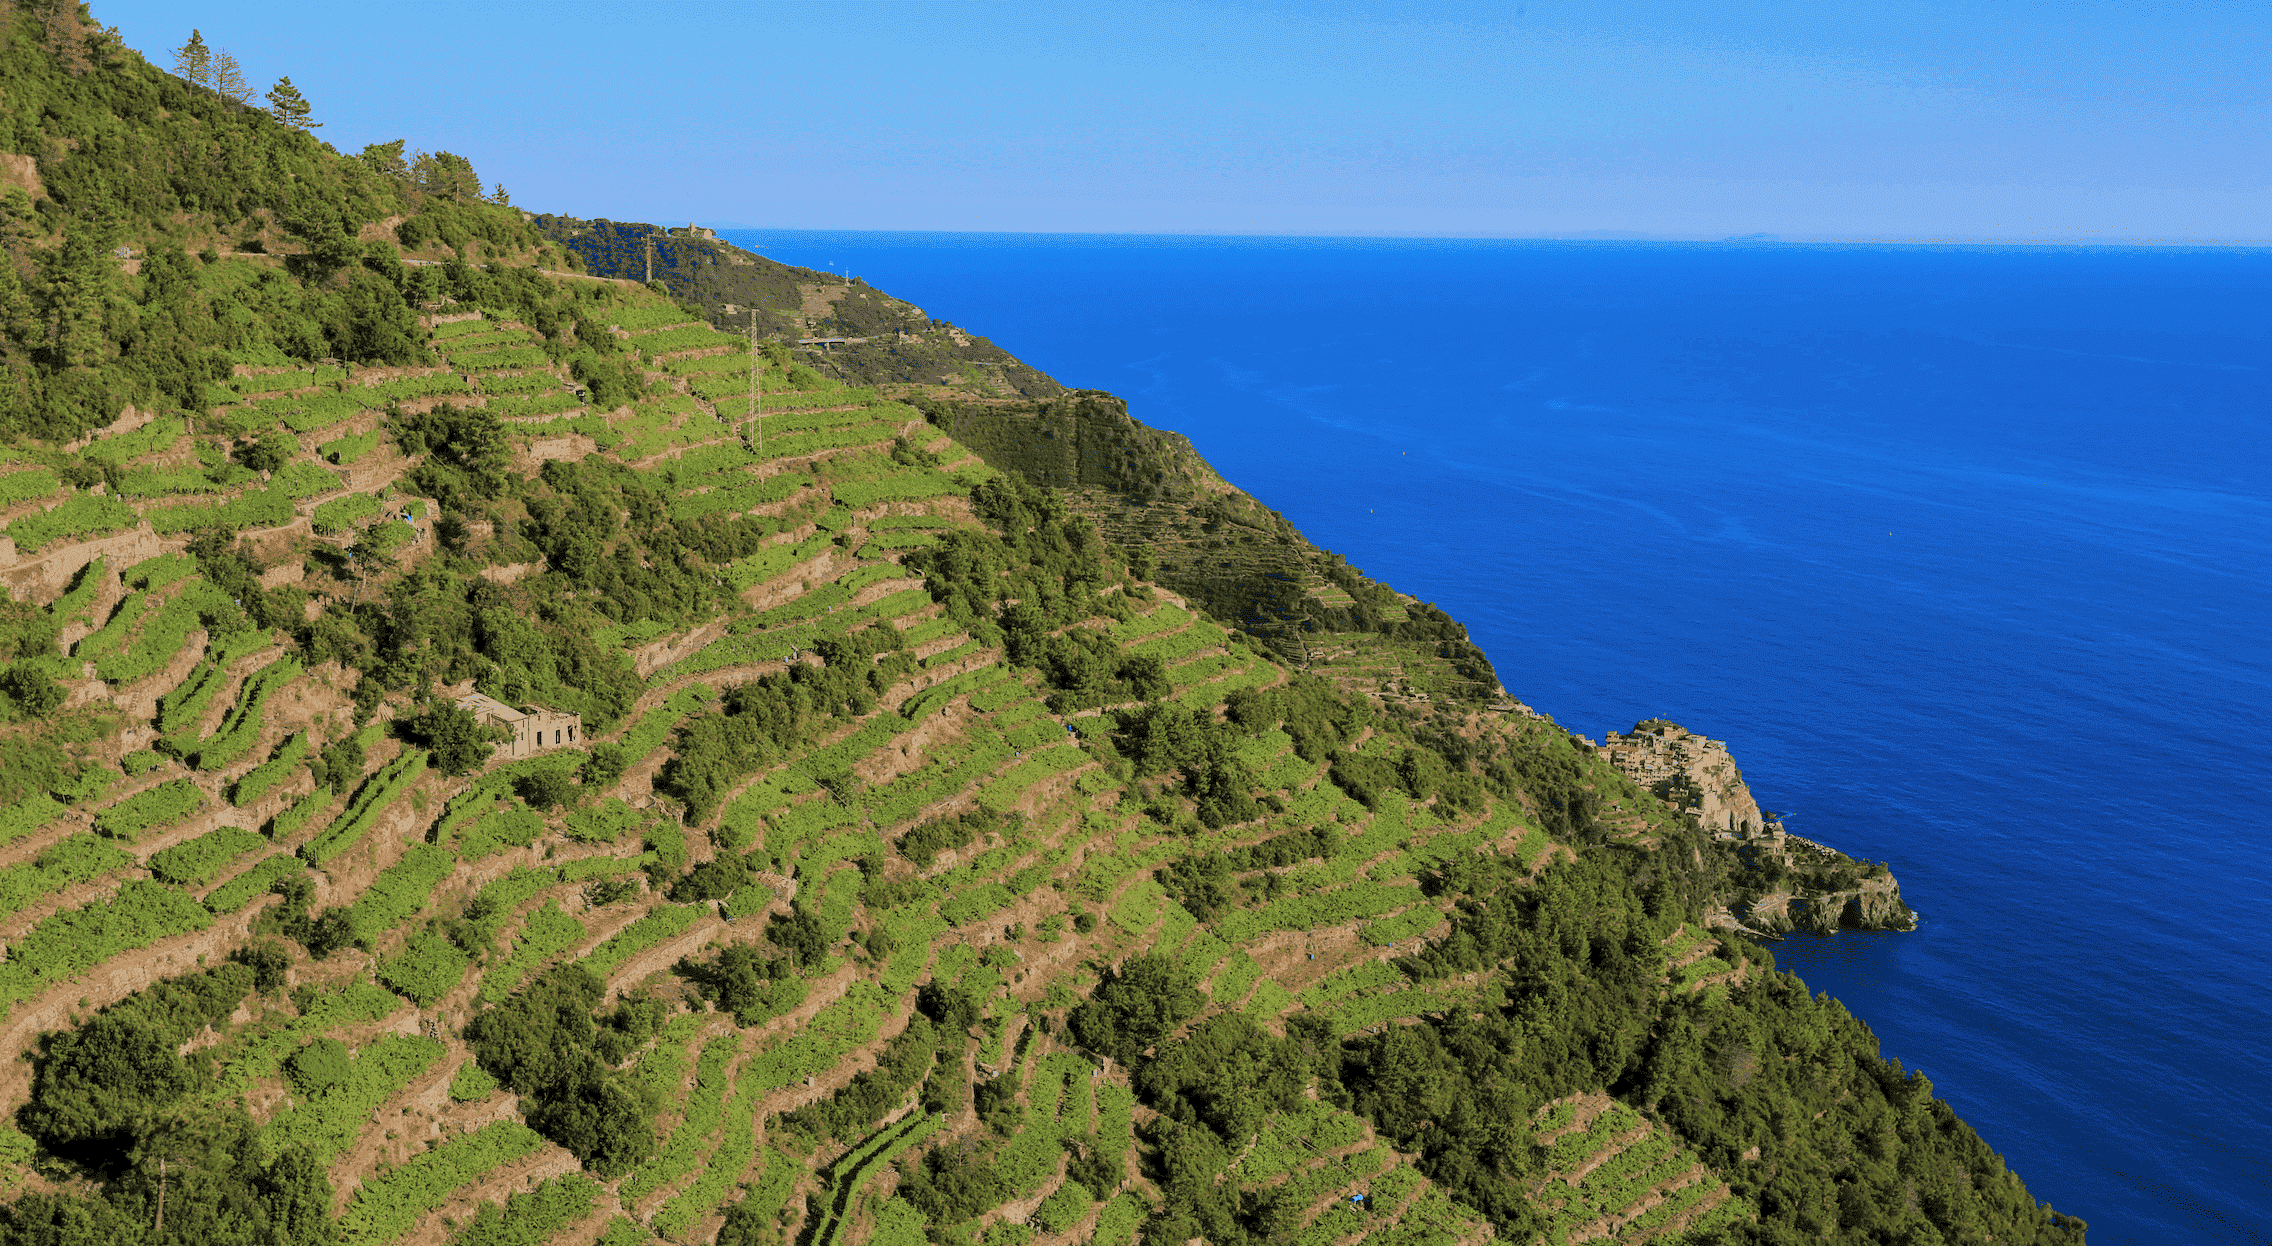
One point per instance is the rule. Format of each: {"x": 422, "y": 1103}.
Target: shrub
{"x": 28, "y": 815}
{"x": 242, "y": 728}
{"x": 340, "y": 514}
{"x": 427, "y": 968}
{"x": 472, "y": 1083}
{"x": 318, "y": 1067}
{"x": 76, "y": 940}
{"x": 532, "y": 1217}
{"x": 399, "y": 892}
{"x": 365, "y": 808}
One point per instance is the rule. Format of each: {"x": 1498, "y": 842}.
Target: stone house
{"x": 534, "y": 729}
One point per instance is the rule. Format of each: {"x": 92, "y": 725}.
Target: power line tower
{"x": 650, "y": 258}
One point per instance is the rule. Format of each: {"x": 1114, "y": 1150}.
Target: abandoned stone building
{"x": 534, "y": 730}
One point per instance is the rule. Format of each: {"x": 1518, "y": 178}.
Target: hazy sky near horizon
{"x": 2070, "y": 121}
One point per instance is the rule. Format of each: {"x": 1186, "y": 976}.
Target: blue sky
{"x": 1992, "y": 120}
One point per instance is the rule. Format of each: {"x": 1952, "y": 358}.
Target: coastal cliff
{"x": 1781, "y": 882}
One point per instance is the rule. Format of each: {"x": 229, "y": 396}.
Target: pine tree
{"x": 445, "y": 175}
{"x": 291, "y": 107}
{"x": 78, "y": 275}
{"x": 193, "y": 61}
{"x": 66, "y": 36}
{"x": 229, "y": 78}
{"x": 385, "y": 159}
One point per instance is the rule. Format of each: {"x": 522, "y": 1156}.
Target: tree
{"x": 267, "y": 453}
{"x": 318, "y": 1067}
{"x": 34, "y": 693}
{"x": 368, "y": 322}
{"x": 193, "y": 62}
{"x": 1136, "y": 1006}
{"x": 445, "y": 176}
{"x": 604, "y": 767}
{"x": 229, "y": 78}
{"x": 543, "y": 1043}
{"x": 385, "y": 159}
{"x": 800, "y": 933}
{"x": 546, "y": 789}
{"x": 81, "y": 277}
{"x": 340, "y": 763}
{"x": 289, "y": 106}
{"x": 459, "y": 740}
{"x": 714, "y": 879}
{"x": 746, "y": 982}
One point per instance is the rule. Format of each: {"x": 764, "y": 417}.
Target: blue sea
{"x": 1963, "y": 550}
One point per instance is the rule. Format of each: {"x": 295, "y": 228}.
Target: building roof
{"x": 481, "y": 703}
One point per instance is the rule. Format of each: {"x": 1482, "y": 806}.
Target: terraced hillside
{"x": 899, "y": 860}
{"x": 966, "y": 821}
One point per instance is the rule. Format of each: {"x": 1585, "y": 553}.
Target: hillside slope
{"x": 1148, "y": 491}
{"x": 903, "y": 864}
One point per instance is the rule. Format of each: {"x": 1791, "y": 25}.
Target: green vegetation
{"x": 163, "y": 805}
{"x": 532, "y": 1217}
{"x": 544, "y": 1045}
{"x": 203, "y": 859}
{"x": 365, "y": 807}
{"x": 261, "y": 779}
{"x": 388, "y": 1207}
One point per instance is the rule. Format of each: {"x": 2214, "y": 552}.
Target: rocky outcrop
{"x": 1690, "y": 773}
{"x": 1875, "y": 904}
{"x": 1814, "y": 889}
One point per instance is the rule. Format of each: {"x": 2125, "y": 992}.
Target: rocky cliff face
{"x": 1874, "y": 904}
{"x": 1690, "y": 773}
{"x": 1783, "y": 883}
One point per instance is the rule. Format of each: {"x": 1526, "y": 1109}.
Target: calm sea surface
{"x": 1964, "y": 551}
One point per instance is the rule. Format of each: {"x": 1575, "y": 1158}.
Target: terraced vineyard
{"x": 1613, "y": 1176}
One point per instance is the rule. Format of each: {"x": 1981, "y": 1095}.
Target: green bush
{"x": 83, "y": 514}
{"x": 399, "y": 893}
{"x": 532, "y": 1217}
{"x": 427, "y": 968}
{"x": 318, "y": 1067}
{"x": 371, "y": 800}
{"x": 29, "y": 815}
{"x": 471, "y": 1083}
{"x": 241, "y": 729}
{"x": 76, "y": 940}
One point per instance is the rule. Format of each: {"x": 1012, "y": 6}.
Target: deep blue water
{"x": 1963, "y": 550}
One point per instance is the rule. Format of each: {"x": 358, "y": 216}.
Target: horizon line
{"x": 1584, "y": 236}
